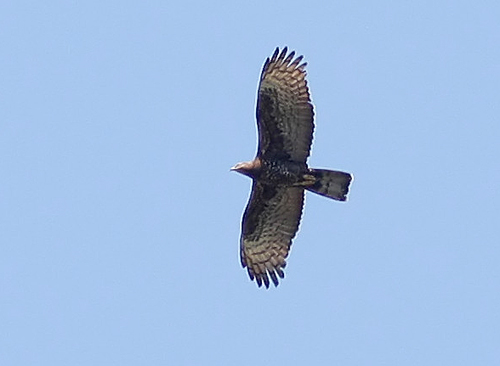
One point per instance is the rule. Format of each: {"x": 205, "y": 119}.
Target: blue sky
{"x": 120, "y": 220}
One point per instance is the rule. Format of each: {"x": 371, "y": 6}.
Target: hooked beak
{"x": 235, "y": 168}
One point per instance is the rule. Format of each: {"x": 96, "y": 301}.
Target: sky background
{"x": 120, "y": 220}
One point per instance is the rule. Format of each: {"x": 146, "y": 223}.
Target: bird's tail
{"x": 330, "y": 183}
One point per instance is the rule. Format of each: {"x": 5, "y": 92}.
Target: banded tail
{"x": 330, "y": 183}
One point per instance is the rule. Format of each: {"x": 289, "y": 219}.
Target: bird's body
{"x": 279, "y": 171}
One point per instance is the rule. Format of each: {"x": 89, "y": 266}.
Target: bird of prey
{"x": 280, "y": 174}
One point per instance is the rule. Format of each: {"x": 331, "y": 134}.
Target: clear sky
{"x": 120, "y": 220}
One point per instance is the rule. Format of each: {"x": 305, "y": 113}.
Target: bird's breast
{"x": 280, "y": 172}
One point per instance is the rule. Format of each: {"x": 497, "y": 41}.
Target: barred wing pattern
{"x": 284, "y": 112}
{"x": 270, "y": 222}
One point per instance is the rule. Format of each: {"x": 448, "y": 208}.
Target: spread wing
{"x": 270, "y": 222}
{"x": 285, "y": 116}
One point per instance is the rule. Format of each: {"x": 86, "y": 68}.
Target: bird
{"x": 279, "y": 172}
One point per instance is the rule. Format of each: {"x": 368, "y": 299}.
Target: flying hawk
{"x": 285, "y": 120}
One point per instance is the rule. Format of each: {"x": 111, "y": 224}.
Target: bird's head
{"x": 249, "y": 168}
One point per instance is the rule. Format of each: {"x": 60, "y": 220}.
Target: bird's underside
{"x": 279, "y": 172}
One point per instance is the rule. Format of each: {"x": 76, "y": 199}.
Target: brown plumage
{"x": 285, "y": 120}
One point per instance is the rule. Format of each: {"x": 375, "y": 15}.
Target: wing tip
{"x": 262, "y": 278}
{"x": 279, "y": 59}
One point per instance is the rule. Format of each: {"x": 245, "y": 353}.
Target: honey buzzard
{"x": 279, "y": 171}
